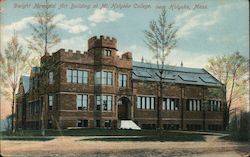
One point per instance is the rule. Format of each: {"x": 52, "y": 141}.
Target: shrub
{"x": 240, "y": 127}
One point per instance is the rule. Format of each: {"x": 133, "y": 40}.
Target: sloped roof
{"x": 173, "y": 74}
{"x": 26, "y": 83}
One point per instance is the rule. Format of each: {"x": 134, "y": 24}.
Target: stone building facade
{"x": 98, "y": 89}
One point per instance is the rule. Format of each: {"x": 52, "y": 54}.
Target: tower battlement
{"x": 102, "y": 42}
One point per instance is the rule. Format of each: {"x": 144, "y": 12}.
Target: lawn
{"x": 98, "y": 132}
{"x": 124, "y": 135}
{"x": 21, "y": 138}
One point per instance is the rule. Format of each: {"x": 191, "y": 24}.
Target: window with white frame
{"x": 82, "y": 102}
{"x": 103, "y": 102}
{"x": 170, "y": 104}
{"x": 122, "y": 80}
{"x": 104, "y": 77}
{"x": 193, "y": 105}
{"x": 214, "y": 105}
{"x": 144, "y": 102}
{"x": 51, "y": 79}
{"x": 50, "y": 100}
{"x": 77, "y": 76}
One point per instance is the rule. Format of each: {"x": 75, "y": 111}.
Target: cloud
{"x": 190, "y": 22}
{"x": 74, "y": 43}
{"x": 104, "y": 15}
{"x": 73, "y": 26}
{"x": 19, "y": 25}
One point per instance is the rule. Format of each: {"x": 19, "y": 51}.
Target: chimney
{"x": 181, "y": 64}
{"x": 142, "y": 59}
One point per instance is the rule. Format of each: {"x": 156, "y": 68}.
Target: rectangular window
{"x": 69, "y": 75}
{"x": 170, "y": 104}
{"x": 104, "y": 102}
{"x": 143, "y": 103}
{"x": 190, "y": 105}
{"x": 214, "y": 105}
{"x": 98, "y": 123}
{"x": 107, "y": 123}
{"x": 122, "y": 80}
{"x": 74, "y": 76}
{"x": 107, "y": 52}
{"x": 49, "y": 124}
{"x": 164, "y": 105}
{"x": 109, "y": 103}
{"x": 82, "y": 102}
{"x": 146, "y": 103}
{"x": 85, "y": 77}
{"x": 110, "y": 78}
{"x": 80, "y": 76}
{"x": 105, "y": 78}
{"x": 82, "y": 123}
{"x": 50, "y": 102}
{"x": 152, "y": 103}
{"x": 98, "y": 102}
{"x": 79, "y": 123}
{"x": 51, "y": 79}
{"x": 138, "y": 102}
{"x": 79, "y": 102}
{"x": 198, "y": 105}
{"x": 193, "y": 105}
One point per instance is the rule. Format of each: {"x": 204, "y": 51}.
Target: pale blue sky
{"x": 217, "y": 27}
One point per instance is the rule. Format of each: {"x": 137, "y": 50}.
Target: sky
{"x": 205, "y": 28}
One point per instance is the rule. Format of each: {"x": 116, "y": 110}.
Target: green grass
{"x": 161, "y": 138}
{"x": 232, "y": 138}
{"x": 95, "y": 132}
{"x": 18, "y": 138}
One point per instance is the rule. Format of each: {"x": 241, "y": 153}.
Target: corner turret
{"x": 102, "y": 42}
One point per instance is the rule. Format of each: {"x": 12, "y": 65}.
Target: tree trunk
{"x": 12, "y": 110}
{"x": 159, "y": 108}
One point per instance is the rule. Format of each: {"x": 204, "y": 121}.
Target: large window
{"x": 77, "y": 76}
{"x": 170, "y": 104}
{"x": 193, "y": 105}
{"x": 82, "y": 102}
{"x": 51, "y": 79}
{"x": 214, "y": 105}
{"x": 50, "y": 102}
{"x": 104, "y": 77}
{"x": 146, "y": 102}
{"x": 122, "y": 80}
{"x": 104, "y": 102}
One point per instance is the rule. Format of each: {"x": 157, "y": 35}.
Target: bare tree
{"x": 161, "y": 39}
{"x": 13, "y": 64}
{"x": 232, "y": 71}
{"x": 44, "y": 37}
{"x": 43, "y": 34}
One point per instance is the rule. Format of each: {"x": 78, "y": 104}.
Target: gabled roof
{"x": 173, "y": 74}
{"x": 26, "y": 83}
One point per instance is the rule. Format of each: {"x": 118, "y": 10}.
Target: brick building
{"x": 98, "y": 89}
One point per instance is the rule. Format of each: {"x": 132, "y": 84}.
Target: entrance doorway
{"x": 124, "y": 108}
